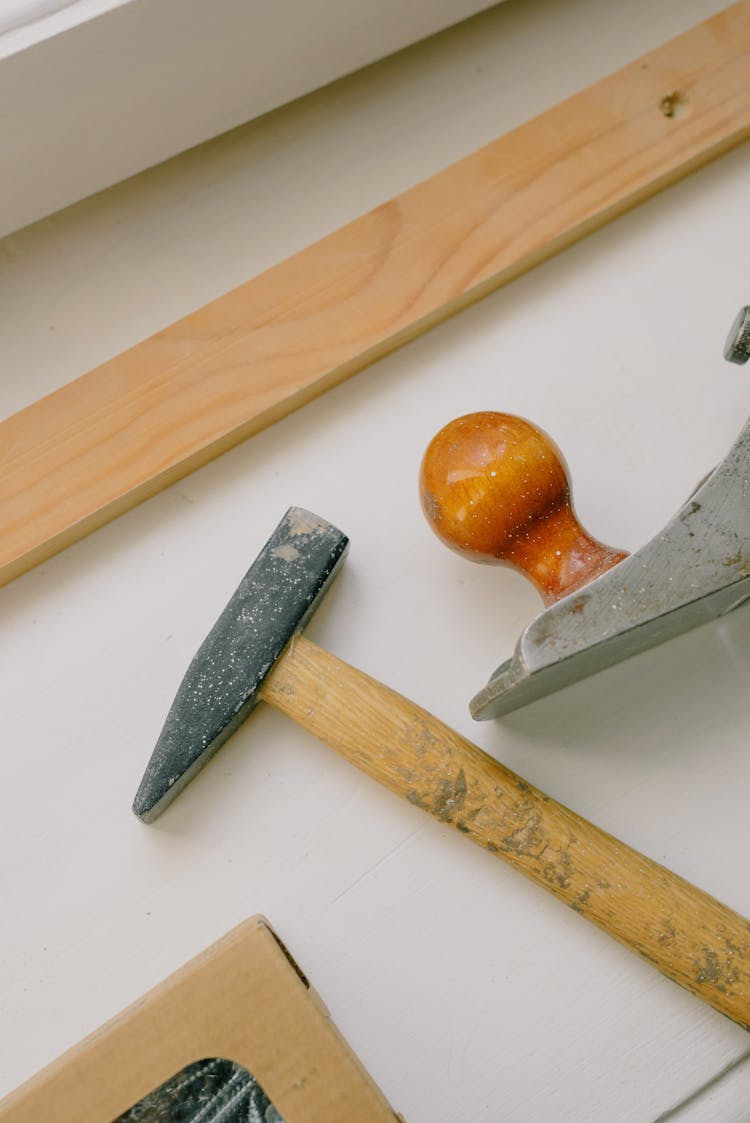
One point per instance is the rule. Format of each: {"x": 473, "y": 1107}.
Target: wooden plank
{"x": 81, "y": 456}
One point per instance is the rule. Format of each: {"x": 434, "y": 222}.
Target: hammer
{"x": 254, "y": 652}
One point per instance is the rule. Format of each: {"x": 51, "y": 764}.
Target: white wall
{"x": 94, "y": 91}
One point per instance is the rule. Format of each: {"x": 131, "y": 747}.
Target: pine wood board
{"x": 79, "y": 457}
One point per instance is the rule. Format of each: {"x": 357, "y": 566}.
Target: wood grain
{"x": 496, "y": 489}
{"x": 84, "y": 454}
{"x": 688, "y": 935}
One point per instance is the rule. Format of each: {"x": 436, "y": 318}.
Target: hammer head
{"x": 276, "y": 596}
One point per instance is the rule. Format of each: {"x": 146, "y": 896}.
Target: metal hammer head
{"x": 276, "y": 596}
{"x": 737, "y": 346}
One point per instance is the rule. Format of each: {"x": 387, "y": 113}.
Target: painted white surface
{"x": 24, "y": 23}
{"x": 726, "y": 1100}
{"x": 469, "y": 994}
{"x": 17, "y": 14}
{"x": 98, "y": 91}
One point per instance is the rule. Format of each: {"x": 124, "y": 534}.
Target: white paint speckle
{"x": 287, "y": 552}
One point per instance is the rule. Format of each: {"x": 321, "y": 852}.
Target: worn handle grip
{"x": 691, "y": 937}
{"x": 496, "y": 488}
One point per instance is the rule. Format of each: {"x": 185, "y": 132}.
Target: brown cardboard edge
{"x": 296, "y": 1053}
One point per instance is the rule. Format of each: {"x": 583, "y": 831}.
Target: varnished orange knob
{"x": 496, "y": 488}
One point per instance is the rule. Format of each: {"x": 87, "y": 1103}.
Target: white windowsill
{"x": 94, "y": 91}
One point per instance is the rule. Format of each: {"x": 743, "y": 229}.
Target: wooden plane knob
{"x": 496, "y": 488}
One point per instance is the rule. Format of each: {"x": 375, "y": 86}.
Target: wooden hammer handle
{"x": 690, "y": 936}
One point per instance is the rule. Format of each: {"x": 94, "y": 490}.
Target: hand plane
{"x": 496, "y": 488}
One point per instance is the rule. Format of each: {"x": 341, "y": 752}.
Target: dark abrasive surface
{"x": 273, "y": 601}
{"x": 211, "y": 1091}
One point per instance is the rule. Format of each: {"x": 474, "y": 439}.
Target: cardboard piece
{"x": 242, "y": 1000}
